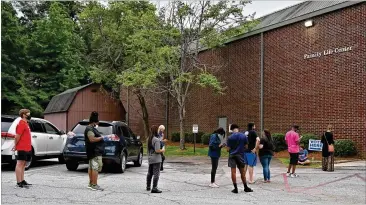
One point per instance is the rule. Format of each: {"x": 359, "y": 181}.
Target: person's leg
{"x": 289, "y": 166}
{"x": 214, "y": 162}
{"x": 18, "y": 170}
{"x": 243, "y": 171}
{"x": 264, "y": 162}
{"x": 269, "y": 158}
{"x": 293, "y": 161}
{"x": 307, "y": 162}
{"x": 162, "y": 162}
{"x": 233, "y": 179}
{"x": 330, "y": 164}
{"x": 324, "y": 163}
{"x": 149, "y": 176}
{"x": 156, "y": 171}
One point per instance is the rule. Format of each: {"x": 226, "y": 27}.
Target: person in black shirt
{"x": 266, "y": 149}
{"x": 328, "y": 157}
{"x": 94, "y": 150}
{"x": 250, "y": 155}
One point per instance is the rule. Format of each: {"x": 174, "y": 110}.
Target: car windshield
{"x": 104, "y": 129}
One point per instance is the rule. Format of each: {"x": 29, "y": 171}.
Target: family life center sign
{"x": 328, "y": 52}
{"x": 315, "y": 145}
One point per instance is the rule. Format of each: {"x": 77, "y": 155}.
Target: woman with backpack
{"x": 154, "y": 157}
{"x": 266, "y": 149}
{"x": 214, "y": 151}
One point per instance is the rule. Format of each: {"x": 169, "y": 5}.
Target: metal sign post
{"x": 195, "y": 131}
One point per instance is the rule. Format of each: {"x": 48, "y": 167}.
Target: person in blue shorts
{"x": 250, "y": 154}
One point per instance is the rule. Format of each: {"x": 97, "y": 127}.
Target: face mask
{"x": 28, "y": 117}
{"x": 96, "y": 126}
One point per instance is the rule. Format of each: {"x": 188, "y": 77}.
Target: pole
{"x": 194, "y": 146}
{"x": 262, "y": 82}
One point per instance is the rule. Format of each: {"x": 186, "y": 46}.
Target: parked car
{"x": 124, "y": 147}
{"x": 47, "y": 140}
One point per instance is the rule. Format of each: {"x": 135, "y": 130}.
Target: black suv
{"x": 124, "y": 146}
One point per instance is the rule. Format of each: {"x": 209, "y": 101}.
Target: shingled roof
{"x": 63, "y": 101}
{"x": 298, "y": 12}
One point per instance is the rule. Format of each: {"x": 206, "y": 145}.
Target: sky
{"x": 260, "y": 7}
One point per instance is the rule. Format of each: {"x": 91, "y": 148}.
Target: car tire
{"x": 61, "y": 159}
{"x": 123, "y": 161}
{"x": 138, "y": 163}
{"x": 72, "y": 165}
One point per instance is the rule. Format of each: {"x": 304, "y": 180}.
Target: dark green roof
{"x": 63, "y": 101}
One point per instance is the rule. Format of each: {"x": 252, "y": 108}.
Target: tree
{"x": 201, "y": 24}
{"x": 125, "y": 46}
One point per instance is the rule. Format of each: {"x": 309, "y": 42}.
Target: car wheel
{"x": 123, "y": 162}
{"x": 138, "y": 163}
{"x": 61, "y": 159}
{"x": 72, "y": 165}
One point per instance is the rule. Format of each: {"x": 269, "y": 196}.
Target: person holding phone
{"x": 214, "y": 151}
{"x": 292, "y": 138}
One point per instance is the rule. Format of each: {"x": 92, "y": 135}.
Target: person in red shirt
{"x": 23, "y": 147}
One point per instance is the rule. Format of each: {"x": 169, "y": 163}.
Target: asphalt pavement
{"x": 185, "y": 181}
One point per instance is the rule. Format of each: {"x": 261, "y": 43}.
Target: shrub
{"x": 305, "y": 139}
{"x": 205, "y": 138}
{"x": 279, "y": 142}
{"x": 343, "y": 148}
{"x": 175, "y": 137}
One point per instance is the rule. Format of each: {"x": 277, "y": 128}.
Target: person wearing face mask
{"x": 22, "y": 144}
{"x": 214, "y": 151}
{"x": 94, "y": 144}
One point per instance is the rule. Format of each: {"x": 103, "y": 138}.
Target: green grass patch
{"x": 189, "y": 151}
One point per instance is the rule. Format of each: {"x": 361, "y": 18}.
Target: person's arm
{"x": 19, "y": 132}
{"x": 92, "y": 138}
{"x": 331, "y": 141}
{"x": 157, "y": 147}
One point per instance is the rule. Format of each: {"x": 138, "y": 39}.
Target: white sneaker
{"x": 213, "y": 185}
{"x": 288, "y": 174}
{"x": 294, "y": 175}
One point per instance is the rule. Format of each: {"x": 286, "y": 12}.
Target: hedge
{"x": 188, "y": 137}
{"x": 279, "y": 142}
{"x": 343, "y": 148}
{"x": 205, "y": 138}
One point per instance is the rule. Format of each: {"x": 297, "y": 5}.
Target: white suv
{"x": 47, "y": 140}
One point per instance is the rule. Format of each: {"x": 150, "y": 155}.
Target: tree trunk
{"x": 145, "y": 114}
{"x": 181, "y": 127}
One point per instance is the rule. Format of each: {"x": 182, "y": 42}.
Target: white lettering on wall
{"x": 328, "y": 52}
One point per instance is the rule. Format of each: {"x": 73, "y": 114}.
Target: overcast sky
{"x": 260, "y": 7}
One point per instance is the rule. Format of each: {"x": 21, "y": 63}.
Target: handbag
{"x": 330, "y": 147}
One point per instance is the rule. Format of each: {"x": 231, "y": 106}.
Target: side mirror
{"x": 138, "y": 137}
{"x": 62, "y": 132}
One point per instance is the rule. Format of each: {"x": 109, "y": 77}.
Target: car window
{"x": 125, "y": 132}
{"x": 104, "y": 129}
{"x": 37, "y": 126}
{"x": 50, "y": 129}
{"x": 6, "y": 123}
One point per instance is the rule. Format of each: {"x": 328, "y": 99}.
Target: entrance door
{"x": 223, "y": 122}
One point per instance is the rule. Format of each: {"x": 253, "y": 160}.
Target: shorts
{"x": 24, "y": 155}
{"x": 96, "y": 163}
{"x": 250, "y": 159}
{"x": 236, "y": 161}
{"x": 294, "y": 157}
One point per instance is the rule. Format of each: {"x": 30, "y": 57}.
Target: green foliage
{"x": 206, "y": 138}
{"x": 175, "y": 137}
{"x": 279, "y": 142}
{"x": 189, "y": 137}
{"x": 305, "y": 139}
{"x": 344, "y": 148}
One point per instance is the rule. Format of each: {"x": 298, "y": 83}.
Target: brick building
{"x": 313, "y": 74}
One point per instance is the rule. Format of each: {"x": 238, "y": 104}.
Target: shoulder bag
{"x": 330, "y": 147}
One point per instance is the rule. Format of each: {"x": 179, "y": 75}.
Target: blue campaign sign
{"x": 315, "y": 145}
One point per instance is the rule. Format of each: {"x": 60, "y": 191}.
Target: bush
{"x": 279, "y": 142}
{"x": 205, "y": 138}
{"x": 343, "y": 148}
{"x": 305, "y": 139}
{"x": 175, "y": 137}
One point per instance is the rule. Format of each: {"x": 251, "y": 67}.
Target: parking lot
{"x": 184, "y": 181}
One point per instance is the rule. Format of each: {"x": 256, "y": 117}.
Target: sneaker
{"x": 96, "y": 188}
{"x": 288, "y": 174}
{"x": 90, "y": 186}
{"x": 20, "y": 185}
{"x": 213, "y": 185}
{"x": 216, "y": 185}
{"x": 294, "y": 175}
{"x": 148, "y": 188}
{"x": 235, "y": 191}
{"x": 25, "y": 183}
{"x": 156, "y": 190}
{"x": 248, "y": 189}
